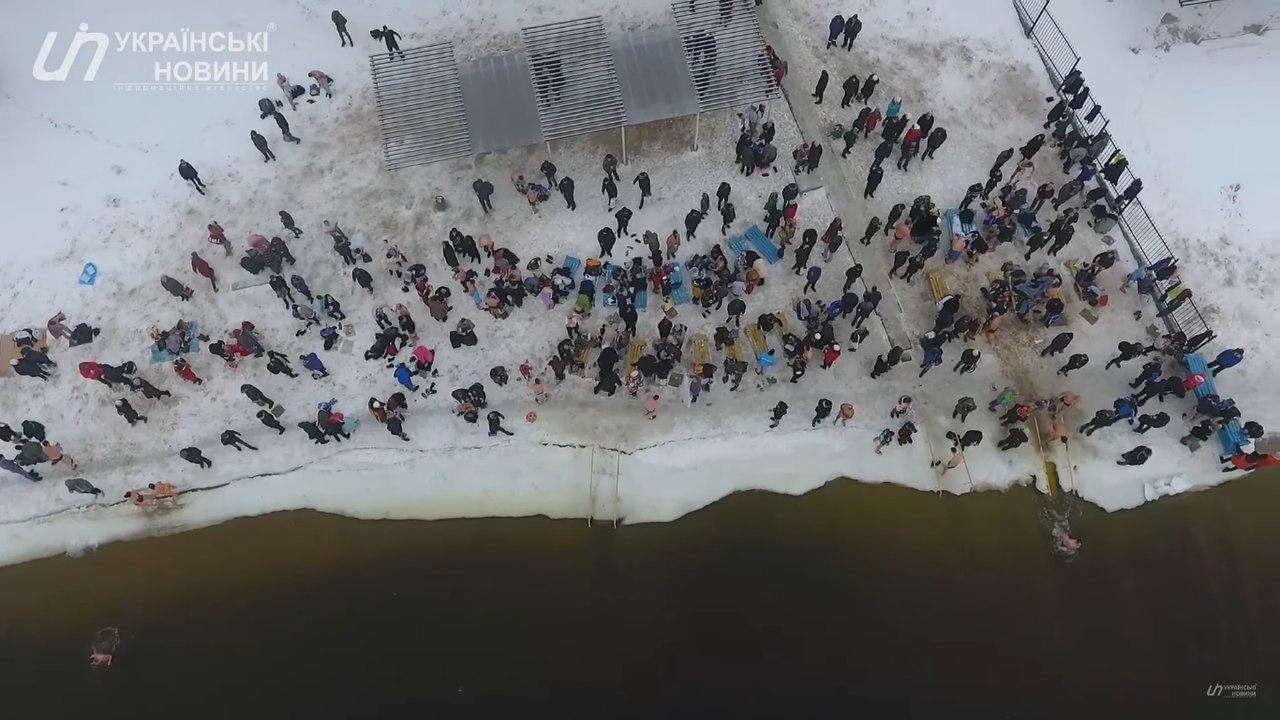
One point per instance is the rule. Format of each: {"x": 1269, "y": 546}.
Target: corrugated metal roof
{"x": 500, "y": 102}
{"x": 724, "y": 51}
{"x": 420, "y": 107}
{"x": 653, "y": 76}
{"x": 575, "y": 84}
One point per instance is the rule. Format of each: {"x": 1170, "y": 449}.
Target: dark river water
{"x": 853, "y": 601}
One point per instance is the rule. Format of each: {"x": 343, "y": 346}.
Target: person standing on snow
{"x": 646, "y": 189}
{"x": 202, "y": 268}
{"x": 283, "y": 124}
{"x": 261, "y": 143}
{"x": 195, "y": 457}
{"x": 834, "y": 28}
{"x": 610, "y": 190}
{"x": 266, "y": 418}
{"x": 821, "y": 87}
{"x": 231, "y": 438}
{"x": 852, "y": 27}
{"x": 391, "y": 38}
{"x": 187, "y": 172}
{"x": 483, "y": 190}
{"x": 176, "y": 288}
{"x": 727, "y": 215}
{"x": 566, "y": 190}
{"x": 779, "y": 412}
{"x": 340, "y": 23}
{"x": 821, "y": 412}
{"x": 495, "y": 419}
{"x": 287, "y": 221}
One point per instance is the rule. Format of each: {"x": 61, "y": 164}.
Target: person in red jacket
{"x": 1251, "y": 461}
{"x": 913, "y": 135}
{"x": 93, "y": 371}
{"x": 830, "y": 356}
{"x": 185, "y": 372}
{"x": 872, "y": 120}
{"x": 201, "y": 267}
{"x": 218, "y": 237}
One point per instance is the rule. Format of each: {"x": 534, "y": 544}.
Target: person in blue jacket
{"x": 1226, "y": 359}
{"x": 1127, "y": 408}
{"x": 766, "y": 360}
{"x": 834, "y": 29}
{"x": 311, "y": 361}
{"x": 404, "y": 376}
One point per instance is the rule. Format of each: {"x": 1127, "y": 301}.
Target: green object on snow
{"x": 837, "y": 131}
{"x": 440, "y": 203}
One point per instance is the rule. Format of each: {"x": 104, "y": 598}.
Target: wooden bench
{"x": 735, "y": 350}
{"x": 756, "y": 338}
{"x": 699, "y": 350}
{"x": 938, "y": 284}
{"x": 634, "y": 352}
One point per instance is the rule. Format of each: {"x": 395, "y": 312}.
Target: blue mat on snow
{"x": 642, "y": 299}
{"x": 571, "y": 264}
{"x": 1231, "y": 435}
{"x": 951, "y": 218}
{"x": 681, "y": 293}
{"x": 164, "y": 356}
{"x": 762, "y": 244}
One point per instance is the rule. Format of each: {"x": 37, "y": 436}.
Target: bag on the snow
{"x": 297, "y": 91}
{"x": 314, "y": 90}
{"x": 376, "y": 34}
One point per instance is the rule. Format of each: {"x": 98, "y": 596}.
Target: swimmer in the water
{"x": 1064, "y": 543}
{"x": 99, "y": 659}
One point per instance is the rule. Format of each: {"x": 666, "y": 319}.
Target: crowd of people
{"x": 614, "y": 350}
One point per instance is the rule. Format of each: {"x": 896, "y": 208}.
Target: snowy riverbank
{"x": 94, "y": 171}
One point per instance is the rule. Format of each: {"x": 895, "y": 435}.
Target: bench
{"x": 641, "y": 299}
{"x": 634, "y": 352}
{"x": 699, "y": 350}
{"x": 738, "y": 244}
{"x": 938, "y": 284}
{"x": 1231, "y": 435}
{"x": 763, "y": 244}
{"x": 681, "y": 293}
{"x": 571, "y": 265}
{"x": 756, "y": 338}
{"x": 735, "y": 350}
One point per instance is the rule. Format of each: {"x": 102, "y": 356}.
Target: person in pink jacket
{"x": 651, "y": 407}
{"x": 287, "y": 89}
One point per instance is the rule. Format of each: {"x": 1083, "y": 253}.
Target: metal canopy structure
{"x": 574, "y": 80}
{"x": 420, "y": 107}
{"x": 724, "y": 51}
{"x": 500, "y": 102}
{"x": 654, "y": 80}
{"x": 570, "y": 79}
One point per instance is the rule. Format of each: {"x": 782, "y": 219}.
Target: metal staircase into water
{"x": 602, "y": 486}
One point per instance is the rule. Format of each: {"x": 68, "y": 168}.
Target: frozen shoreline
{"x": 122, "y": 216}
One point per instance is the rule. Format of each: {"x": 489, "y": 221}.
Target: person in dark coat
{"x": 231, "y": 438}
{"x": 283, "y": 124}
{"x": 934, "y": 141}
{"x": 392, "y": 39}
{"x": 566, "y": 189}
{"x": 258, "y": 397}
{"x": 850, "y": 87}
{"x": 549, "y": 171}
{"x": 606, "y": 237}
{"x": 1057, "y": 345}
{"x": 813, "y": 158}
{"x": 484, "y": 191}
{"x": 261, "y": 143}
{"x": 195, "y": 457}
{"x": 126, "y": 411}
{"x": 362, "y": 278}
{"x": 727, "y": 215}
{"x": 176, "y": 288}
{"x": 187, "y": 172}
{"x": 852, "y": 27}
{"x": 868, "y": 87}
{"x": 1136, "y": 456}
{"x": 691, "y": 221}
{"x": 834, "y": 29}
{"x": 623, "y": 216}
{"x": 821, "y": 87}
{"x": 1075, "y": 362}
{"x": 610, "y": 190}
{"x": 313, "y": 432}
{"x": 287, "y": 221}
{"x": 266, "y": 418}
{"x": 646, "y": 188}
{"x": 495, "y": 419}
{"x": 340, "y": 23}
{"x": 873, "y": 181}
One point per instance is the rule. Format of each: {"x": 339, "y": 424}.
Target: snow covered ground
{"x": 92, "y": 170}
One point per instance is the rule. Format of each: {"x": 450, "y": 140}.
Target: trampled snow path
{"x": 109, "y": 163}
